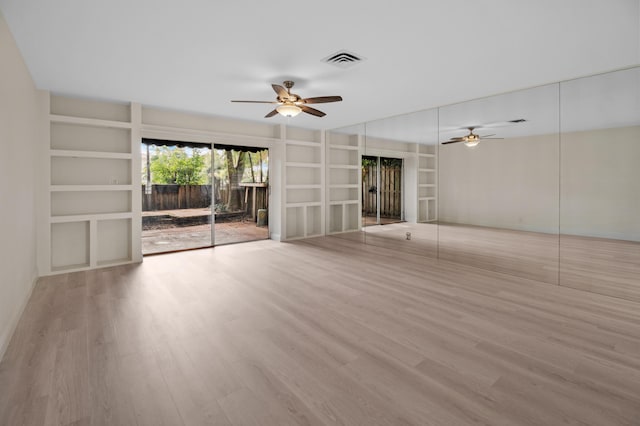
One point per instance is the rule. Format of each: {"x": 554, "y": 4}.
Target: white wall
{"x": 20, "y": 118}
{"x": 514, "y": 183}
{"x": 510, "y": 183}
{"x": 600, "y": 183}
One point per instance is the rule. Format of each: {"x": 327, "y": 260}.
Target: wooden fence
{"x": 175, "y": 197}
{"x": 390, "y": 191}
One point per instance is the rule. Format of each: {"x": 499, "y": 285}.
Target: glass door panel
{"x": 176, "y": 196}
{"x": 240, "y": 194}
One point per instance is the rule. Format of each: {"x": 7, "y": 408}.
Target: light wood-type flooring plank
{"x": 324, "y": 331}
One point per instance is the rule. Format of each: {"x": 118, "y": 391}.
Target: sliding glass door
{"x": 382, "y": 201}
{"x": 240, "y": 193}
{"x": 176, "y": 196}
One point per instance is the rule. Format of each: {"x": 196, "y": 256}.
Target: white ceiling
{"x": 197, "y": 55}
{"x": 596, "y": 102}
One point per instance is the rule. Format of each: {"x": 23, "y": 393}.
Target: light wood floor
{"x": 600, "y": 265}
{"x": 325, "y": 331}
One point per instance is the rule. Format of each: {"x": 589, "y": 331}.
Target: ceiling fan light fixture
{"x": 289, "y": 110}
{"x": 290, "y": 104}
{"x": 472, "y": 142}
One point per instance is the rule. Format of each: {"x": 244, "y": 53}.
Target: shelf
{"x": 310, "y": 165}
{"x": 426, "y": 170}
{"x": 83, "y": 203}
{"x": 315, "y": 186}
{"x": 72, "y": 171}
{"x": 71, "y": 268}
{"x": 426, "y": 198}
{"x": 427, "y": 185}
{"x": 86, "y": 267}
{"x": 426, "y": 155}
{"x": 123, "y": 261}
{"x": 91, "y": 184}
{"x": 344, "y": 147}
{"x": 307, "y": 204}
{"x": 90, "y": 154}
{"x": 79, "y": 139}
{"x": 70, "y": 245}
{"x": 343, "y": 203}
{"x": 69, "y": 188}
{"x": 345, "y": 166}
{"x": 86, "y": 217}
{"x": 345, "y": 186}
{"x": 303, "y": 143}
{"x": 95, "y": 122}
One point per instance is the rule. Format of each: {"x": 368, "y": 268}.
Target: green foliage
{"x": 171, "y": 165}
{"x": 193, "y": 166}
{"x": 254, "y": 170}
{"x": 391, "y": 162}
{"x": 384, "y": 162}
{"x": 369, "y": 162}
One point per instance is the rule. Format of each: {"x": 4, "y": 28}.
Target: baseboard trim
{"x": 275, "y": 237}
{"x": 5, "y": 339}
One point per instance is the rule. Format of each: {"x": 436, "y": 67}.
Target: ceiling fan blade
{"x": 482, "y": 139}
{"x": 322, "y": 99}
{"x": 312, "y": 111}
{"x": 271, "y": 114}
{"x": 506, "y": 123}
{"x": 444, "y": 143}
{"x": 501, "y": 123}
{"x": 281, "y": 91}
{"x": 258, "y": 102}
{"x": 485, "y": 136}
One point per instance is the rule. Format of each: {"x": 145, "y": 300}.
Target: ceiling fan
{"x": 472, "y": 139}
{"x": 290, "y": 104}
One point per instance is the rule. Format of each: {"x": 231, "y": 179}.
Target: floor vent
{"x": 343, "y": 59}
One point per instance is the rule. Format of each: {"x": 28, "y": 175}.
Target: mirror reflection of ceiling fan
{"x": 473, "y": 139}
{"x": 290, "y": 104}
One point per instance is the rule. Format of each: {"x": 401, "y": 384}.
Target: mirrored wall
{"x": 400, "y": 190}
{"x": 499, "y": 196}
{"x": 542, "y": 183}
{"x": 600, "y": 184}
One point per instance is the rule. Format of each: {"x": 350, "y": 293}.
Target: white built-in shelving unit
{"x": 303, "y": 178}
{"x": 344, "y": 182}
{"x": 427, "y": 183}
{"x": 90, "y": 182}
{"x": 90, "y": 216}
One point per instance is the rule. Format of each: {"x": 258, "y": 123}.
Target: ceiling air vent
{"x": 343, "y": 59}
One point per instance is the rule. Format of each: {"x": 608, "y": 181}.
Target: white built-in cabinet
{"x": 304, "y": 178}
{"x": 344, "y": 182}
{"x": 90, "y": 181}
{"x": 427, "y": 183}
{"x": 91, "y": 201}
